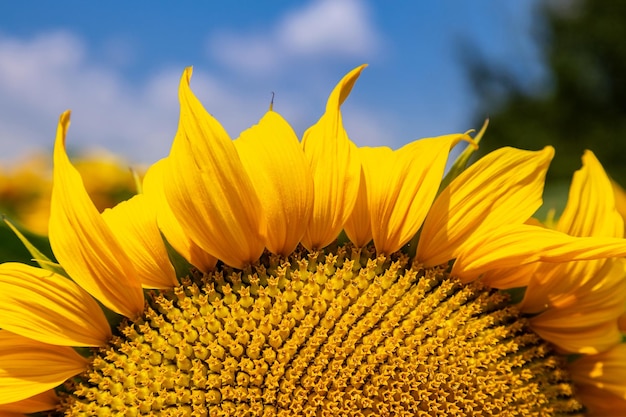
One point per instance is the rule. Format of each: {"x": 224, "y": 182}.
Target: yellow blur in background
{"x": 26, "y": 186}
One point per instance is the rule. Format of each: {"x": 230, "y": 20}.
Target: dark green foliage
{"x": 582, "y": 106}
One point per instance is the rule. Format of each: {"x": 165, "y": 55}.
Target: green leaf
{"x": 37, "y": 256}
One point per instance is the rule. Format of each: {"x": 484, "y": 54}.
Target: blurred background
{"x": 545, "y": 72}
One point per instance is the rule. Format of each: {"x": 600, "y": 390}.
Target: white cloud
{"x": 329, "y": 27}
{"x": 45, "y": 75}
{"x": 321, "y": 29}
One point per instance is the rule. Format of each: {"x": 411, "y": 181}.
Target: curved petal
{"x": 553, "y": 284}
{"x": 588, "y": 310}
{"x": 515, "y": 277}
{"x": 47, "y": 400}
{"x": 401, "y": 187}
{"x": 82, "y": 242}
{"x": 590, "y": 211}
{"x": 169, "y": 225}
{"x": 273, "y": 158}
{"x": 335, "y": 167}
{"x": 134, "y": 224}
{"x": 604, "y": 371}
{"x": 620, "y": 201}
{"x": 591, "y": 208}
{"x": 358, "y": 226}
{"x": 208, "y": 189}
{"x": 559, "y": 328}
{"x": 44, "y": 306}
{"x": 504, "y": 187}
{"x": 507, "y": 278}
{"x": 515, "y": 245}
{"x": 601, "y": 403}
{"x": 28, "y": 367}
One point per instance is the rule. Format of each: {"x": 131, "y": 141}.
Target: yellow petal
{"x": 401, "y": 187}
{"x": 335, "y": 167}
{"x": 516, "y": 277}
{"x": 601, "y": 403}
{"x": 604, "y": 371}
{"x": 208, "y": 189}
{"x": 273, "y": 158}
{"x": 591, "y": 208}
{"x": 507, "y": 278}
{"x": 134, "y": 224}
{"x": 515, "y": 245}
{"x": 504, "y": 187}
{"x": 169, "y": 225}
{"x": 582, "y": 317}
{"x": 575, "y": 339}
{"x": 47, "y": 400}
{"x": 620, "y": 201}
{"x": 44, "y": 306}
{"x": 590, "y": 211}
{"x": 28, "y": 367}
{"x": 552, "y": 284}
{"x": 82, "y": 242}
{"x": 358, "y": 227}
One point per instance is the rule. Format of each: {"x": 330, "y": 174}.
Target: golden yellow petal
{"x": 507, "y": 278}
{"x": 47, "y": 400}
{"x": 552, "y": 284}
{"x": 208, "y": 189}
{"x": 358, "y": 227}
{"x": 591, "y": 208}
{"x": 28, "y": 367}
{"x": 604, "y": 371}
{"x": 621, "y": 323}
{"x": 134, "y": 224}
{"x": 11, "y": 413}
{"x": 169, "y": 225}
{"x": 581, "y": 313}
{"x": 335, "y": 167}
{"x": 401, "y": 187}
{"x": 601, "y": 403}
{"x": 590, "y": 211}
{"x": 620, "y": 201}
{"x": 575, "y": 339}
{"x": 44, "y": 306}
{"x": 82, "y": 242}
{"x": 273, "y": 157}
{"x": 504, "y": 187}
{"x": 515, "y": 245}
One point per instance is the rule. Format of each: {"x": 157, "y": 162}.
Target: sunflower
{"x": 268, "y": 276}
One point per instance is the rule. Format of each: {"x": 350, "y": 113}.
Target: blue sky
{"x": 117, "y": 66}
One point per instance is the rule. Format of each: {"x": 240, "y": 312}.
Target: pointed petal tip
{"x": 187, "y": 72}
{"x": 360, "y": 68}
{"x": 64, "y": 124}
{"x": 344, "y": 87}
{"x": 549, "y": 152}
{"x": 65, "y": 116}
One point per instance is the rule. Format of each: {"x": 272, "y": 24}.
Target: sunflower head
{"x": 319, "y": 278}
